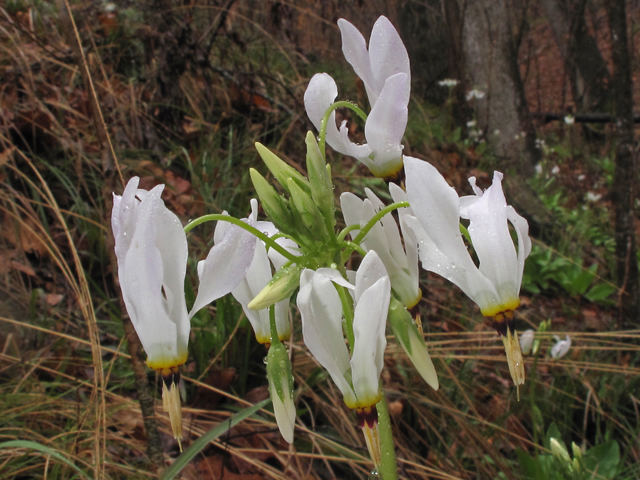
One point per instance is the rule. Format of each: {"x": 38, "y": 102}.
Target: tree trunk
{"x": 625, "y": 175}
{"x": 587, "y": 69}
{"x": 492, "y": 63}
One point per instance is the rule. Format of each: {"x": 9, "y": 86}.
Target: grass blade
{"x": 43, "y": 449}
{"x": 197, "y": 446}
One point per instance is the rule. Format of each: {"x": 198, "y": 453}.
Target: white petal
{"x": 277, "y": 258}
{"x": 524, "y": 242}
{"x": 436, "y": 206}
{"x": 354, "y": 48}
{"x": 335, "y": 276}
{"x": 526, "y": 341}
{"x": 351, "y": 207}
{"x": 321, "y": 313}
{"x": 561, "y": 348}
{"x": 386, "y": 124}
{"x": 225, "y": 266}
{"x": 258, "y": 275}
{"x": 369, "y": 323}
{"x": 387, "y": 54}
{"x": 370, "y": 271}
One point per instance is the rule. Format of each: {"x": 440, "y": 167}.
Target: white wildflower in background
{"x": 475, "y": 93}
{"x": 448, "y": 82}
{"x": 593, "y": 197}
{"x": 569, "y": 119}
{"x": 561, "y": 348}
{"x": 526, "y": 341}
{"x": 555, "y": 170}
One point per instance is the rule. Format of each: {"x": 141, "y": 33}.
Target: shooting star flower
{"x": 384, "y": 70}
{"x": 151, "y": 249}
{"x": 495, "y": 284}
{"x": 358, "y": 376}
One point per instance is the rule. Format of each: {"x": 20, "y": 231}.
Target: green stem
{"x": 356, "y": 247}
{"x": 347, "y": 309}
{"x": 343, "y": 233}
{"x": 388, "y": 467}
{"x": 376, "y": 218}
{"x": 325, "y": 120}
{"x": 228, "y": 218}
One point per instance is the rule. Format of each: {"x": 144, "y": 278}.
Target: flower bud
{"x": 559, "y": 451}
{"x": 407, "y": 334}
{"x": 280, "y": 376}
{"x": 281, "y": 170}
{"x": 274, "y": 205}
{"x": 319, "y": 179}
{"x": 308, "y": 211}
{"x": 284, "y": 282}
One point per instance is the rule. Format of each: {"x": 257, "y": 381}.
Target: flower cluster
{"x": 344, "y": 314}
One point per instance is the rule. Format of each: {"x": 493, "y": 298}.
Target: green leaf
{"x": 553, "y": 432}
{"x": 603, "y": 459}
{"x": 44, "y": 449}
{"x": 197, "y": 446}
{"x": 601, "y": 292}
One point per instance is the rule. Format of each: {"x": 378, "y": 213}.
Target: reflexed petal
{"x": 225, "y": 266}
{"x": 173, "y": 247}
{"x": 141, "y": 271}
{"x": 354, "y": 48}
{"x": 524, "y": 242}
{"x": 258, "y": 275}
{"x": 387, "y": 53}
{"x": 386, "y": 124}
{"x": 369, "y": 323}
{"x": 321, "y": 313}
{"x": 370, "y": 271}
{"x": 489, "y": 232}
{"x": 351, "y": 207}
{"x": 436, "y": 206}
{"x": 475, "y": 285}
{"x": 335, "y": 276}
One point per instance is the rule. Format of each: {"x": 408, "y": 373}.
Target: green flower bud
{"x": 281, "y": 286}
{"x": 308, "y": 211}
{"x": 281, "y": 170}
{"x": 560, "y": 451}
{"x": 407, "y": 333}
{"x": 274, "y": 205}
{"x": 280, "y": 377}
{"x": 319, "y": 179}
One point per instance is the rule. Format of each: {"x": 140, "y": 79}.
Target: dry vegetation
{"x": 185, "y": 89}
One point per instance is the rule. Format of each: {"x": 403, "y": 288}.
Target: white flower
{"x": 561, "y": 347}
{"x": 448, "y": 82}
{"x": 475, "y": 93}
{"x": 471, "y": 123}
{"x": 593, "y": 197}
{"x": 385, "y": 239}
{"x": 384, "y": 70}
{"x": 569, "y": 119}
{"x": 538, "y": 169}
{"x": 436, "y": 211}
{"x": 526, "y": 341}
{"x": 257, "y": 277}
{"x": 555, "y": 170}
{"x": 151, "y": 249}
{"x": 357, "y": 377}
{"x": 582, "y": 177}
{"x": 495, "y": 284}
